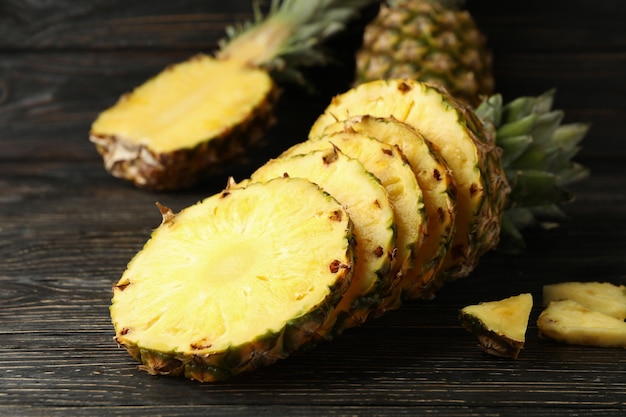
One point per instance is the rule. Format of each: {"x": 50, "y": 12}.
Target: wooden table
{"x": 67, "y": 228}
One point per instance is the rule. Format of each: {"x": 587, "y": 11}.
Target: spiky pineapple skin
{"x": 427, "y": 41}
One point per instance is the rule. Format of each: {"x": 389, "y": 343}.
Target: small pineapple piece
{"x": 500, "y": 326}
{"x": 368, "y": 205}
{"x": 569, "y": 322}
{"x": 237, "y": 281}
{"x": 604, "y": 297}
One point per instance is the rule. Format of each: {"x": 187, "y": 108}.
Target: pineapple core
{"x": 187, "y": 104}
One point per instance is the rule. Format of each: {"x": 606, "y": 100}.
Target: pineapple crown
{"x": 289, "y": 35}
{"x": 537, "y": 159}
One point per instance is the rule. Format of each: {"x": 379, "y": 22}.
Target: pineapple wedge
{"x": 569, "y": 322}
{"x": 236, "y": 281}
{"x": 604, "y": 297}
{"x": 435, "y": 180}
{"x": 368, "y": 205}
{"x": 460, "y": 138}
{"x": 500, "y": 326}
{"x": 386, "y": 163}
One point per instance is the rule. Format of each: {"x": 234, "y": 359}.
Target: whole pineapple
{"x": 198, "y": 115}
{"x": 428, "y": 40}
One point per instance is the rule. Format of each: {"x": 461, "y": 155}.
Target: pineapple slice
{"x": 368, "y": 205}
{"x": 604, "y": 297}
{"x": 437, "y": 185}
{"x": 500, "y": 326}
{"x": 236, "y": 281}
{"x": 567, "y": 321}
{"x": 185, "y": 122}
{"x": 459, "y": 137}
{"x": 196, "y": 116}
{"x": 386, "y": 163}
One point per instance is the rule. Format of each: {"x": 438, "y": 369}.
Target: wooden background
{"x": 67, "y": 228}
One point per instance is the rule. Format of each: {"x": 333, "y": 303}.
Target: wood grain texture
{"x": 67, "y": 229}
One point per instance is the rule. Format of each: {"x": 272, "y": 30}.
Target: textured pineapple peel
{"x": 235, "y": 272}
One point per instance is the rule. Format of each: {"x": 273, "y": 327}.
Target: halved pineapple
{"x": 459, "y": 137}
{"x": 567, "y": 321}
{"x": 185, "y": 122}
{"x": 604, "y": 297}
{"x": 236, "y": 281}
{"x": 388, "y": 164}
{"x": 367, "y": 203}
{"x": 500, "y": 326}
{"x": 437, "y": 185}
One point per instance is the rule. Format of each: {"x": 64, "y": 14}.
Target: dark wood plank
{"x": 67, "y": 229}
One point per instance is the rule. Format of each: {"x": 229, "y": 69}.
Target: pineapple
{"x": 604, "y": 297}
{"x": 500, "y": 326}
{"x": 236, "y": 281}
{"x": 458, "y": 136}
{"x": 368, "y": 206}
{"x": 194, "y": 117}
{"x": 435, "y": 180}
{"x": 428, "y": 40}
{"x": 567, "y": 321}
{"x": 387, "y": 163}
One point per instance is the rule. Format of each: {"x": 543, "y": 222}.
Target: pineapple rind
{"x": 567, "y": 321}
{"x": 169, "y": 311}
{"x": 368, "y": 205}
{"x": 138, "y": 144}
{"x": 438, "y": 188}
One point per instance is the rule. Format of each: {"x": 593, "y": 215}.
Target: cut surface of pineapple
{"x": 388, "y": 164}
{"x": 437, "y": 185}
{"x": 369, "y": 208}
{"x": 604, "y": 297}
{"x": 500, "y": 326}
{"x": 191, "y": 117}
{"x": 567, "y": 321}
{"x": 236, "y": 281}
{"x": 463, "y": 143}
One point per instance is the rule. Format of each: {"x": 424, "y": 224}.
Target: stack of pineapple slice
{"x": 397, "y": 190}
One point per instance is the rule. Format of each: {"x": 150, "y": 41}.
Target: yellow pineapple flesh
{"x": 605, "y": 297}
{"x": 185, "y": 123}
{"x": 236, "y": 281}
{"x": 368, "y": 205}
{"x": 459, "y": 137}
{"x": 386, "y": 163}
{"x": 567, "y": 321}
{"x": 438, "y": 189}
